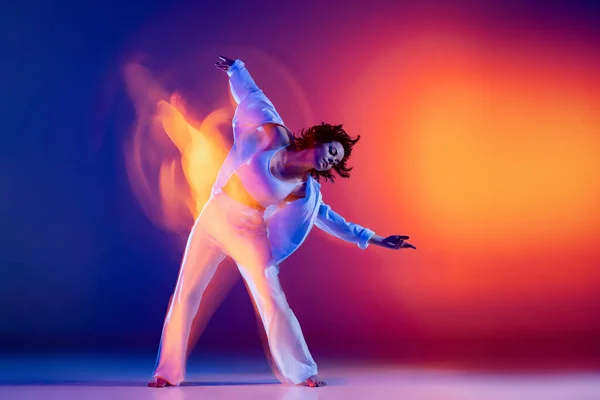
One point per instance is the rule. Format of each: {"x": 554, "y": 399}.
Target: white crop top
{"x": 260, "y": 183}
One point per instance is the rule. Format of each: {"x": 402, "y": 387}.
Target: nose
{"x": 330, "y": 160}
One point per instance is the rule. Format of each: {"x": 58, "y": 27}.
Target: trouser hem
{"x": 169, "y": 381}
{"x": 308, "y": 375}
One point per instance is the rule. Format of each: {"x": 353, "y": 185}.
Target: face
{"x": 327, "y": 155}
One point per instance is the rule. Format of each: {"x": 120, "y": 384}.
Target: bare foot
{"x": 314, "y": 381}
{"x": 158, "y": 382}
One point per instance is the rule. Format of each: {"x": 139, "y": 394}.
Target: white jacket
{"x": 288, "y": 224}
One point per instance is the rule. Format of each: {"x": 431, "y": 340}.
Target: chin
{"x": 319, "y": 166}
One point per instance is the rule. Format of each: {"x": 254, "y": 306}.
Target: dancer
{"x": 264, "y": 202}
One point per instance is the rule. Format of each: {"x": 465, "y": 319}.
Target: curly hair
{"x": 325, "y": 133}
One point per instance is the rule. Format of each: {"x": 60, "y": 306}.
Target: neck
{"x": 297, "y": 163}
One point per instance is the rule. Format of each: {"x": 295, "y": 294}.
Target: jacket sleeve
{"x": 254, "y": 107}
{"x": 335, "y": 225}
{"x": 240, "y": 82}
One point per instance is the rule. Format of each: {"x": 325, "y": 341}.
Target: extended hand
{"x": 396, "y": 242}
{"x": 224, "y": 63}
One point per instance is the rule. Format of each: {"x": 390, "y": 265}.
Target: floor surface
{"x": 125, "y": 377}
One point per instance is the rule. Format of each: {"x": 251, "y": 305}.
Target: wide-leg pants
{"x": 226, "y": 227}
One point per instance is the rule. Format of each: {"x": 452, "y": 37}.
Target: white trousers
{"x": 226, "y": 227}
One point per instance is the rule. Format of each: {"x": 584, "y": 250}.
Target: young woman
{"x": 264, "y": 202}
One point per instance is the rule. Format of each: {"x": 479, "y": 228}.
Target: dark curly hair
{"x": 325, "y": 133}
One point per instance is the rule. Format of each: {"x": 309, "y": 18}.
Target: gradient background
{"x": 480, "y": 125}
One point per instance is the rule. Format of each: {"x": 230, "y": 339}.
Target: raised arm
{"x": 254, "y": 109}
{"x": 240, "y": 81}
{"x": 334, "y": 224}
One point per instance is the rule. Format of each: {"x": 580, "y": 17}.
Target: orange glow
{"x": 172, "y": 160}
{"x": 496, "y": 166}
{"x": 494, "y": 152}
{"x": 202, "y": 151}
{"x": 507, "y": 159}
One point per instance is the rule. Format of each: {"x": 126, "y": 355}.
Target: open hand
{"x": 396, "y": 242}
{"x": 224, "y": 63}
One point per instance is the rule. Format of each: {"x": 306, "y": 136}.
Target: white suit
{"x": 257, "y": 241}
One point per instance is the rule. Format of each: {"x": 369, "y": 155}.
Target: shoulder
{"x": 278, "y": 134}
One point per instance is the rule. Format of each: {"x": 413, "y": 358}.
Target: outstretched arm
{"x": 334, "y": 224}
